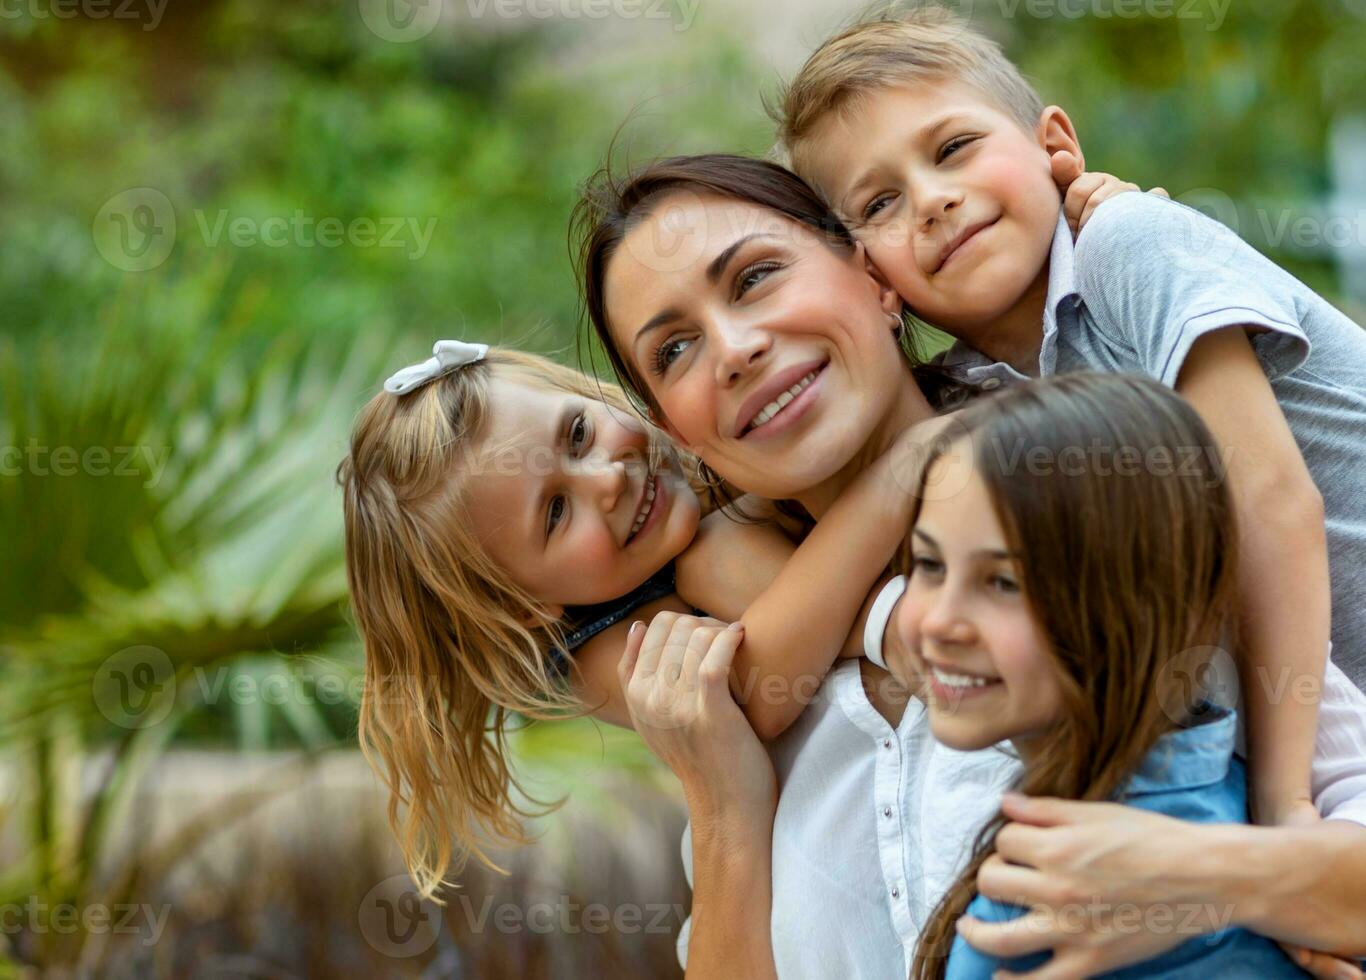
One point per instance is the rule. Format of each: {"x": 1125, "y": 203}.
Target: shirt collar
{"x": 1062, "y": 299}
{"x": 1188, "y": 758}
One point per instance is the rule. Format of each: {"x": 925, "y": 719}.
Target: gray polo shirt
{"x": 1147, "y": 278}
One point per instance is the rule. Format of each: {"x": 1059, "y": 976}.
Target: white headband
{"x": 447, "y": 355}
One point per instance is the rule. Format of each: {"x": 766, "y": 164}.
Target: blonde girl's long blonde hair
{"x": 1109, "y": 487}
{"x": 453, "y": 648}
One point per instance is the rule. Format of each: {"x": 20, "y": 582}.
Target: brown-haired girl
{"x": 1072, "y": 572}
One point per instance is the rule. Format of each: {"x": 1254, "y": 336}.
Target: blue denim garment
{"x": 582, "y": 623}
{"x": 1190, "y": 774}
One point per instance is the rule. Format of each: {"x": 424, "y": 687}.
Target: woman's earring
{"x": 707, "y": 477}
{"x": 897, "y": 323}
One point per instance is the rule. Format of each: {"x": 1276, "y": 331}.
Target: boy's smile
{"x": 953, "y": 200}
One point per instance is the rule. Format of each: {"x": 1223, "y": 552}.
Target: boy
{"x": 926, "y": 140}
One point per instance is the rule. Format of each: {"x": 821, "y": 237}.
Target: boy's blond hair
{"x": 454, "y": 649}
{"x": 897, "y": 47}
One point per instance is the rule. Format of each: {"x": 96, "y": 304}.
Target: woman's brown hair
{"x": 1110, "y": 489}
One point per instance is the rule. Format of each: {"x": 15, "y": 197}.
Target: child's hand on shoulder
{"x": 1086, "y": 191}
{"x": 905, "y": 460}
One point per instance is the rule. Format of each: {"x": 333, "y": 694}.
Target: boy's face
{"x": 954, "y": 202}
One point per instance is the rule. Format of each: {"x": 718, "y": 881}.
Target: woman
{"x": 744, "y": 317}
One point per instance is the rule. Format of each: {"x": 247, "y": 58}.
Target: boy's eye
{"x": 666, "y": 353}
{"x": 876, "y": 205}
{"x": 554, "y": 514}
{"x": 953, "y": 146}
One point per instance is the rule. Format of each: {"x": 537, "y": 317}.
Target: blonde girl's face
{"x": 989, "y": 672}
{"x": 564, "y": 499}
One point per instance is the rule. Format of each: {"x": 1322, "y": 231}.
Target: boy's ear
{"x": 888, "y": 298}
{"x": 1057, "y": 135}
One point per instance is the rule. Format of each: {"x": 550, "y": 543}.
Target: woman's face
{"x": 769, "y": 354}
{"x": 565, "y": 500}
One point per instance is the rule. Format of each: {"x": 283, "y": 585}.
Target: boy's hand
{"x": 1086, "y": 191}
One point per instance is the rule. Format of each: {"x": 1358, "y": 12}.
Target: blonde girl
{"x": 501, "y": 511}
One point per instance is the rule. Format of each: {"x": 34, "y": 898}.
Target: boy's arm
{"x": 1283, "y": 569}
{"x": 800, "y": 606}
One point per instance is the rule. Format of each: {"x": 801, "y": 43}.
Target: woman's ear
{"x": 888, "y": 298}
{"x": 1056, "y": 135}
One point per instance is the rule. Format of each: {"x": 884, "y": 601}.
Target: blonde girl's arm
{"x": 1283, "y": 569}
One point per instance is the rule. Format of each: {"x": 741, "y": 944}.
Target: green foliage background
{"x": 244, "y": 365}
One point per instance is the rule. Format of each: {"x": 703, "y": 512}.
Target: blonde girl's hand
{"x": 1086, "y": 190}
{"x": 676, "y": 678}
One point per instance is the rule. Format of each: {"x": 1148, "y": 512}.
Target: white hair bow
{"x": 447, "y": 355}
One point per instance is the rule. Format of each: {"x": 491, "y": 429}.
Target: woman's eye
{"x": 578, "y": 434}
{"x": 668, "y": 352}
{"x": 752, "y": 276}
{"x": 554, "y": 514}
{"x": 953, "y": 146}
{"x": 876, "y": 205}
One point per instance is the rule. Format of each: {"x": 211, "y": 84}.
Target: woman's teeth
{"x": 779, "y": 403}
{"x": 958, "y": 680}
{"x": 644, "y": 508}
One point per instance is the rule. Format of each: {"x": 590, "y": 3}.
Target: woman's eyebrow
{"x": 714, "y": 269}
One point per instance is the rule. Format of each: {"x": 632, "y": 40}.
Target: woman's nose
{"x": 742, "y": 346}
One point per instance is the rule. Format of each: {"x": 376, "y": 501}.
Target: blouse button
{"x": 896, "y": 892}
{"x": 886, "y": 811}
{"x": 886, "y": 743}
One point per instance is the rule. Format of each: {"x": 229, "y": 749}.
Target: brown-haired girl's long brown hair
{"x": 611, "y": 205}
{"x": 453, "y": 648}
{"x": 1110, "y": 489}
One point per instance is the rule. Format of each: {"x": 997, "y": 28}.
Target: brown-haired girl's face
{"x": 564, "y": 499}
{"x": 990, "y": 675}
{"x": 769, "y": 353}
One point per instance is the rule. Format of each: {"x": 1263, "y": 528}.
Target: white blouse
{"x": 873, "y": 824}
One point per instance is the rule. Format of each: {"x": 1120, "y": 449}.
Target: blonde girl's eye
{"x": 579, "y": 432}
{"x": 554, "y": 513}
